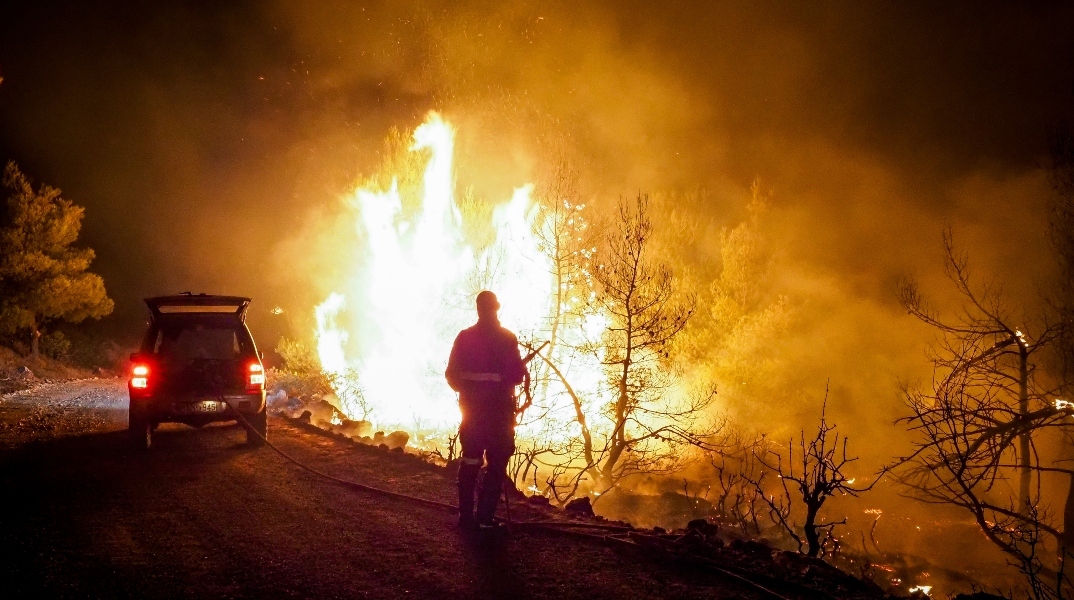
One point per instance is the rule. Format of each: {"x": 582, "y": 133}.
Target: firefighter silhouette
{"x": 484, "y": 368}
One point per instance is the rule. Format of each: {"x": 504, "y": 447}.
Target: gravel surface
{"x": 50, "y": 410}
{"x": 203, "y": 515}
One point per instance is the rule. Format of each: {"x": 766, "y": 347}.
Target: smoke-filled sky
{"x": 198, "y": 135}
{"x": 206, "y": 139}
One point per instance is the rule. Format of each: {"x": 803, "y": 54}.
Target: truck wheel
{"x": 257, "y": 433}
{"x": 140, "y": 431}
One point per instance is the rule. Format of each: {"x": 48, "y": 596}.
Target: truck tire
{"x": 257, "y": 432}
{"x": 140, "y": 431}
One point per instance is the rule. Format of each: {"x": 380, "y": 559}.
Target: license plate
{"x": 206, "y": 406}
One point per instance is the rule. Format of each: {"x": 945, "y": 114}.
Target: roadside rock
{"x": 24, "y": 372}
{"x": 580, "y": 506}
{"x": 704, "y": 527}
{"x": 321, "y": 413}
{"x": 702, "y": 535}
{"x": 396, "y": 439}
{"x": 806, "y": 566}
{"x": 354, "y": 429}
{"x": 755, "y": 548}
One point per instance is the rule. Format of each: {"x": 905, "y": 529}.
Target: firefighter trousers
{"x": 492, "y": 446}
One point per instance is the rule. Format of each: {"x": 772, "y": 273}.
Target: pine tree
{"x": 43, "y": 279}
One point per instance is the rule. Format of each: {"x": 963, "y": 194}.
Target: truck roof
{"x": 198, "y": 303}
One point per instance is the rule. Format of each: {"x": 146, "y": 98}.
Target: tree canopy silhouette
{"x": 43, "y": 278}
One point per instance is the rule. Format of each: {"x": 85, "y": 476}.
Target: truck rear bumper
{"x": 199, "y": 410}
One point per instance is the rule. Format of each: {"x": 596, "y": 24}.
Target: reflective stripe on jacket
{"x": 484, "y": 367}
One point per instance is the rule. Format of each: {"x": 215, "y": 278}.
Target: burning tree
{"x": 568, "y": 239}
{"x": 559, "y": 440}
{"x": 43, "y": 278}
{"x": 641, "y": 312}
{"x": 977, "y": 428}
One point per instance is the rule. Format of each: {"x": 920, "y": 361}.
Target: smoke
{"x": 872, "y": 129}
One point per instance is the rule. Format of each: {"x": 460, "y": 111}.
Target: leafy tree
{"x": 742, "y": 334}
{"x": 42, "y": 277}
{"x": 298, "y": 357}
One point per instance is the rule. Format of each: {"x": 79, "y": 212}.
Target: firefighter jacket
{"x": 485, "y": 367}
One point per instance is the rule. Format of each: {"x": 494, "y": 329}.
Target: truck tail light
{"x": 256, "y": 376}
{"x": 140, "y": 377}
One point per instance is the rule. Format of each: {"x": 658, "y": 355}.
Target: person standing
{"x": 485, "y": 367}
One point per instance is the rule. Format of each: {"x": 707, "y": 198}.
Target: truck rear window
{"x": 188, "y": 342}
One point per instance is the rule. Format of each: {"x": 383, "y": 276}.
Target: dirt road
{"x": 204, "y": 516}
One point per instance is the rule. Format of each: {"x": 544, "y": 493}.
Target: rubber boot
{"x": 491, "y": 488}
{"x": 467, "y": 483}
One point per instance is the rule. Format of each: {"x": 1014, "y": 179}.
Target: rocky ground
{"x": 204, "y": 515}
{"x": 18, "y": 372}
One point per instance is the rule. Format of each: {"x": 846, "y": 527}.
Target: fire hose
{"x": 552, "y": 526}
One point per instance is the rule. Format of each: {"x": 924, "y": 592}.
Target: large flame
{"x": 414, "y": 291}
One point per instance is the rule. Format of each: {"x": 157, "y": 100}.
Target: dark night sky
{"x": 200, "y": 136}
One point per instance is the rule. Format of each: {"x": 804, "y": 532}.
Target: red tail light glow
{"x": 257, "y": 376}
{"x": 140, "y": 377}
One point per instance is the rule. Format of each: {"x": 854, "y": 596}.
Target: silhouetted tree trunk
{"x": 1066, "y": 541}
{"x": 646, "y": 314}
{"x": 35, "y": 341}
{"x": 991, "y": 397}
{"x": 817, "y": 474}
{"x": 981, "y": 351}
{"x": 1062, "y": 240}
